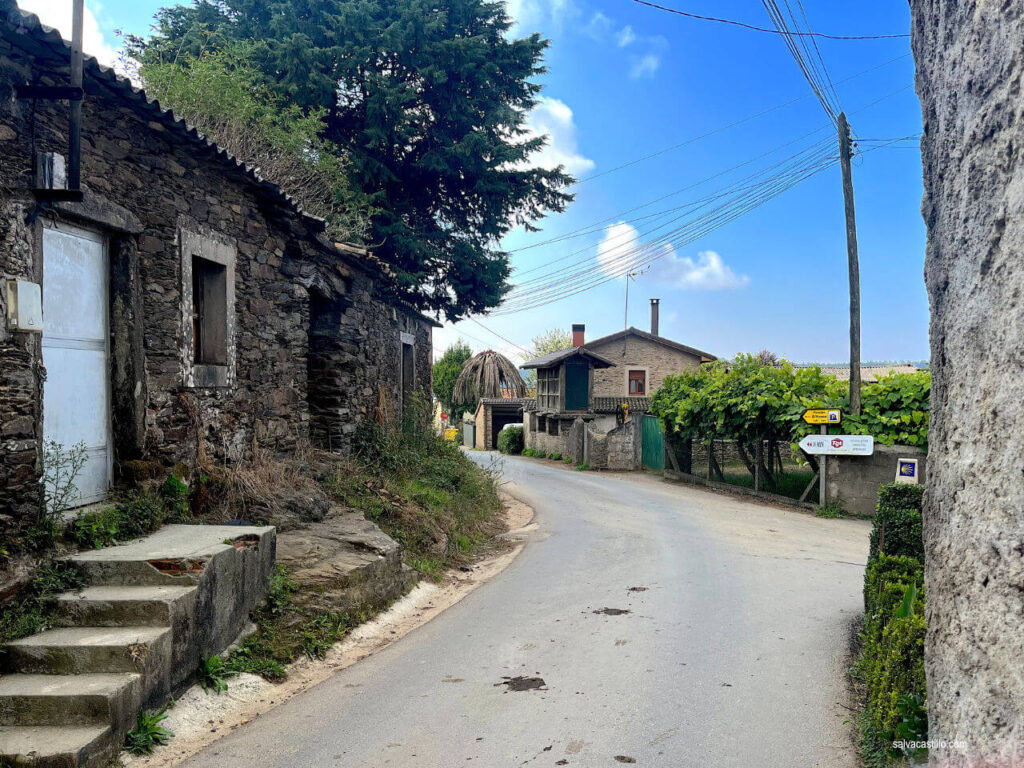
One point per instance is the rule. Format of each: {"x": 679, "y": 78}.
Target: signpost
{"x": 823, "y": 416}
{"x": 838, "y": 445}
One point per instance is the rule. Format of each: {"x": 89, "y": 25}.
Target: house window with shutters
{"x": 637, "y": 383}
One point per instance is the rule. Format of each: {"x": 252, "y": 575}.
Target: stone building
{"x": 592, "y": 396}
{"x": 180, "y": 303}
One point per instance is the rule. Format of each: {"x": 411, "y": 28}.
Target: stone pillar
{"x": 970, "y": 65}
{"x": 128, "y": 362}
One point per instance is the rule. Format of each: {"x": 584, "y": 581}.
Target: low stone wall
{"x": 853, "y": 481}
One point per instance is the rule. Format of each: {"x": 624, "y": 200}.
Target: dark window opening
{"x": 542, "y": 424}
{"x": 209, "y": 312}
{"x": 408, "y": 371}
{"x": 553, "y": 427}
{"x": 638, "y": 383}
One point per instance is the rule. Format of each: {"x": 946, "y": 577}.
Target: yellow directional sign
{"x": 823, "y": 416}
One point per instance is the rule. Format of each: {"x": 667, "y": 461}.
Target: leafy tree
{"x": 221, "y": 93}
{"x": 752, "y": 399}
{"x": 446, "y": 372}
{"x": 427, "y": 101}
{"x": 551, "y": 340}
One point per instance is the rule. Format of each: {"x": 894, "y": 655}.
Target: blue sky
{"x": 625, "y": 81}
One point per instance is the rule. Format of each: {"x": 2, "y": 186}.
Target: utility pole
{"x": 845, "y": 153}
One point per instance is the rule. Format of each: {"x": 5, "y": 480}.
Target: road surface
{"x": 729, "y": 650}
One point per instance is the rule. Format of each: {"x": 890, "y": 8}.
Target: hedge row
{"x": 892, "y": 664}
{"x": 510, "y": 440}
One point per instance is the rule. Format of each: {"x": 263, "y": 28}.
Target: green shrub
{"x": 898, "y": 521}
{"x": 528, "y": 452}
{"x": 214, "y": 673}
{"x": 892, "y": 661}
{"x": 832, "y": 511}
{"x": 896, "y": 673}
{"x": 887, "y": 570}
{"x": 147, "y": 733}
{"x": 555, "y": 456}
{"x": 174, "y": 493}
{"x": 540, "y": 454}
{"x": 134, "y": 517}
{"x": 510, "y": 440}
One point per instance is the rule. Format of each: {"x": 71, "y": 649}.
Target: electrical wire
{"x": 722, "y": 217}
{"x": 741, "y": 201}
{"x": 765, "y": 29}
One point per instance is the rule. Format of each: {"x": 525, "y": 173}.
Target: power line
{"x": 751, "y": 197}
{"x": 765, "y": 29}
{"x": 507, "y": 341}
{"x": 743, "y": 200}
{"x": 692, "y": 141}
{"x": 597, "y": 226}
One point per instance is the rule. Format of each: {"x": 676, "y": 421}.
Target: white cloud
{"x": 599, "y": 26}
{"x": 553, "y": 118}
{"x": 530, "y": 16}
{"x": 708, "y": 273}
{"x": 616, "y": 247}
{"x": 626, "y": 36}
{"x": 57, "y": 13}
{"x": 644, "y": 66}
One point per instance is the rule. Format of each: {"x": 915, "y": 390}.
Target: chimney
{"x": 654, "y": 316}
{"x": 578, "y": 329}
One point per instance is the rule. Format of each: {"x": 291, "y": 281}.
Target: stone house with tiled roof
{"x": 591, "y": 397}
{"x": 177, "y": 302}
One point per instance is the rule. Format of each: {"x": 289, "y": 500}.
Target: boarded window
{"x": 577, "y": 385}
{"x": 638, "y": 383}
{"x": 209, "y": 312}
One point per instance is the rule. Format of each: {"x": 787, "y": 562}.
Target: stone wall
{"x": 970, "y": 64}
{"x": 636, "y": 353}
{"x": 853, "y": 481}
{"x": 148, "y": 184}
{"x": 623, "y": 445}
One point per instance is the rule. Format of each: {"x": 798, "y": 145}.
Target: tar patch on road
{"x": 521, "y": 683}
{"x": 624, "y": 759}
{"x": 612, "y": 611}
{"x": 638, "y": 589}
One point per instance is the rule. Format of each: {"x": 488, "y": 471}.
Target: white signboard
{"x": 839, "y": 445}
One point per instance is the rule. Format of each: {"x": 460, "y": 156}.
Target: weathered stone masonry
{"x": 970, "y": 68}
{"x": 316, "y": 345}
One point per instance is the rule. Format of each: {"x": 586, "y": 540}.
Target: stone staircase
{"x": 152, "y": 611}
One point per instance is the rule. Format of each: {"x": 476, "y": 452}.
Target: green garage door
{"x": 653, "y": 443}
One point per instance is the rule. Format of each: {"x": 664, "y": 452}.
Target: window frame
{"x": 200, "y": 371}
{"x": 630, "y": 379}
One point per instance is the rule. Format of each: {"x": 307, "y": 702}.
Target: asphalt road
{"x": 731, "y": 654}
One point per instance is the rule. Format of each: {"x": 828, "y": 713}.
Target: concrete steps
{"x": 152, "y": 611}
{"x": 55, "y": 746}
{"x": 38, "y": 700}
{"x": 81, "y": 650}
{"x": 114, "y": 606}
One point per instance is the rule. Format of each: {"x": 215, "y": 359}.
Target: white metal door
{"x": 76, "y": 393}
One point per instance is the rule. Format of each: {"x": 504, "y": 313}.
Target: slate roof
{"x": 28, "y": 32}
{"x": 631, "y": 331}
{"x": 46, "y": 42}
{"x": 561, "y": 355}
{"x": 607, "y": 404}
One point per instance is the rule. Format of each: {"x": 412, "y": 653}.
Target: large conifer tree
{"x": 427, "y": 100}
